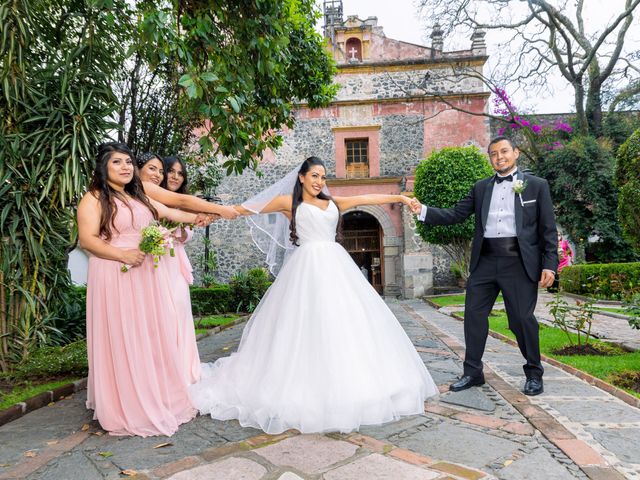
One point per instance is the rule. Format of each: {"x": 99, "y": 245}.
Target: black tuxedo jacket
{"x": 535, "y": 222}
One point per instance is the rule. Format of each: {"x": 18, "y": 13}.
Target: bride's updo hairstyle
{"x": 296, "y": 197}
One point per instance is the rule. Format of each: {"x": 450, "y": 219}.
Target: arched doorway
{"x": 362, "y": 238}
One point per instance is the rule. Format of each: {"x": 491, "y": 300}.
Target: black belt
{"x": 500, "y": 247}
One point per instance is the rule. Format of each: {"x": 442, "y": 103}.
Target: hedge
{"x": 615, "y": 281}
{"x": 212, "y": 300}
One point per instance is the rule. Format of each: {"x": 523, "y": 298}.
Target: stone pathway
{"x": 572, "y": 431}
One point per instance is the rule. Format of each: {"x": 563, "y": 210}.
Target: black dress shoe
{"x": 533, "y": 386}
{"x": 465, "y": 382}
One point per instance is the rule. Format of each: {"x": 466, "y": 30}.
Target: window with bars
{"x": 357, "y": 157}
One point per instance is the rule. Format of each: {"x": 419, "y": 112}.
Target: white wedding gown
{"x": 322, "y": 351}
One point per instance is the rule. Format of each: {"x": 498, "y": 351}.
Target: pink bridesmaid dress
{"x": 135, "y": 384}
{"x": 180, "y": 272}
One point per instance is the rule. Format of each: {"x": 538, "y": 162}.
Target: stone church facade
{"x": 397, "y": 103}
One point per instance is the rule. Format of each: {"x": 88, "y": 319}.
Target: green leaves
{"x": 244, "y": 64}
{"x": 55, "y": 111}
{"x": 442, "y": 180}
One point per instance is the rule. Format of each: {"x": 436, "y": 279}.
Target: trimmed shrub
{"x": 247, "y": 288}
{"x": 442, "y": 180}
{"x": 212, "y": 300}
{"x": 616, "y": 281}
{"x": 47, "y": 362}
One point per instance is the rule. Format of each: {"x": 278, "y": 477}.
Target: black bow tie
{"x": 508, "y": 178}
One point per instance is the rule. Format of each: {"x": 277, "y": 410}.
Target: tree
{"x": 243, "y": 63}
{"x": 151, "y": 115}
{"x": 547, "y": 39}
{"x": 580, "y": 177}
{"x": 55, "y": 71}
{"x": 628, "y": 179}
{"x": 442, "y": 180}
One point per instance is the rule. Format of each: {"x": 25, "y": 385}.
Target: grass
{"x": 599, "y": 366}
{"x": 448, "y": 300}
{"x": 212, "y": 321}
{"x": 205, "y": 323}
{"x": 22, "y": 393}
{"x": 619, "y": 310}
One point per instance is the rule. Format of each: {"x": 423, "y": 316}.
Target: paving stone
{"x": 472, "y": 398}
{"x": 137, "y": 453}
{"x": 35, "y": 429}
{"x": 307, "y": 453}
{"x": 595, "y": 411}
{"x": 230, "y": 430}
{"x": 458, "y": 444}
{"x": 382, "y": 432}
{"x": 624, "y": 443}
{"x": 379, "y": 467}
{"x": 443, "y": 365}
{"x": 68, "y": 466}
{"x": 571, "y": 388}
{"x": 535, "y": 465}
{"x": 234, "y": 468}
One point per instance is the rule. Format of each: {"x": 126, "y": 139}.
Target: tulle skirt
{"x": 322, "y": 352}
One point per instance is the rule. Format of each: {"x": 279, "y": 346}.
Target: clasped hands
{"x": 415, "y": 206}
{"x": 226, "y": 211}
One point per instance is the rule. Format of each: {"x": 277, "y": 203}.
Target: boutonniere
{"x": 519, "y": 187}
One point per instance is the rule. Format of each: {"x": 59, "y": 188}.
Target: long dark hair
{"x": 296, "y": 196}
{"x": 145, "y": 157}
{"x": 105, "y": 194}
{"x": 170, "y": 162}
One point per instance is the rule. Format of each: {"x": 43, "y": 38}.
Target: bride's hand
{"x": 228, "y": 212}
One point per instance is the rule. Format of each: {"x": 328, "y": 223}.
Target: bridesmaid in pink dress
{"x": 135, "y": 385}
{"x": 170, "y": 173}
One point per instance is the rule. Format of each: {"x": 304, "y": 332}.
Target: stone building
{"x": 397, "y": 102}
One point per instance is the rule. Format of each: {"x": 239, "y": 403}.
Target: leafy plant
{"x": 54, "y": 362}
{"x": 628, "y": 179}
{"x": 56, "y": 70}
{"x": 580, "y": 177}
{"x": 632, "y": 309}
{"x": 242, "y": 64}
{"x": 212, "y": 300}
{"x": 442, "y": 180}
{"x": 570, "y": 319}
{"x": 247, "y": 288}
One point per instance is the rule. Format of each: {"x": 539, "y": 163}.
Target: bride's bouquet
{"x": 156, "y": 240}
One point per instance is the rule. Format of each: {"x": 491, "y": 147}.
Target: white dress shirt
{"x": 501, "y": 221}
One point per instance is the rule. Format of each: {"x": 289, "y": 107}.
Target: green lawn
{"x": 21, "y": 393}
{"x": 205, "y": 323}
{"x": 448, "y": 300}
{"x": 599, "y": 366}
{"x": 619, "y": 310}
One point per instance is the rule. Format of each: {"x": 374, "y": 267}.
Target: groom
{"x": 514, "y": 251}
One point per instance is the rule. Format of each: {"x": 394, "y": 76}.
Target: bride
{"x": 322, "y": 351}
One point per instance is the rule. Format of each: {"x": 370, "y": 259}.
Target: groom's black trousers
{"x": 492, "y": 275}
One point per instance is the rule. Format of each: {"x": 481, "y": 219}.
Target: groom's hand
{"x": 416, "y": 206}
{"x": 547, "y": 278}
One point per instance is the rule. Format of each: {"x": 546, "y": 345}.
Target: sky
{"x": 401, "y": 21}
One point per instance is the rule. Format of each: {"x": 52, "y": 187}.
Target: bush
{"x": 70, "y": 317}
{"x": 70, "y": 360}
{"x": 212, "y": 300}
{"x": 581, "y": 179}
{"x": 628, "y": 178}
{"x": 247, "y": 288}
{"x": 442, "y": 180}
{"x": 616, "y": 281}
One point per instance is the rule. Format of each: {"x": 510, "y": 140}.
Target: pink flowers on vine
{"x": 544, "y": 128}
